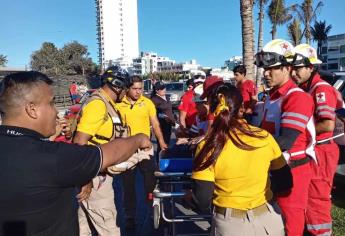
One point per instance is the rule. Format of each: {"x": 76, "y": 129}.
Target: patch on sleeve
{"x": 320, "y": 97}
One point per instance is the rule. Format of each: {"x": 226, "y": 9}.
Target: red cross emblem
{"x": 311, "y": 52}
{"x": 285, "y": 46}
{"x": 320, "y": 97}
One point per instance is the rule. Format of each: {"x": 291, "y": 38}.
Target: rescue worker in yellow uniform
{"x": 100, "y": 123}
{"x": 139, "y": 113}
{"x": 234, "y": 171}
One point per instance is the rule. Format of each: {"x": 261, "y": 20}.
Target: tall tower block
{"x": 117, "y": 26}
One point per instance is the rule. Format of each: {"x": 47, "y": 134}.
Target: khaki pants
{"x": 103, "y": 220}
{"x": 268, "y": 222}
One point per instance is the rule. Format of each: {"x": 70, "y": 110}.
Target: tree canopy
{"x": 295, "y": 32}
{"x": 72, "y": 58}
{"x": 3, "y": 60}
{"x": 320, "y": 33}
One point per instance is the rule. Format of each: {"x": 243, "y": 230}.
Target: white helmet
{"x": 275, "y": 53}
{"x": 305, "y": 55}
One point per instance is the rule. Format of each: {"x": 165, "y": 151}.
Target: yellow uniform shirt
{"x": 241, "y": 176}
{"x": 96, "y": 120}
{"x": 137, "y": 116}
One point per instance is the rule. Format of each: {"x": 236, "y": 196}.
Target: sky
{"x": 206, "y": 30}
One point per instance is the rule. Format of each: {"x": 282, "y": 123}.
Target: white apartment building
{"x": 150, "y": 62}
{"x": 179, "y": 67}
{"x": 232, "y": 62}
{"x": 333, "y": 53}
{"x": 117, "y": 26}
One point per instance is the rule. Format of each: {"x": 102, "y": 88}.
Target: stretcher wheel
{"x": 156, "y": 216}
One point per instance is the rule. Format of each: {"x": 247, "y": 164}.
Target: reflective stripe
{"x": 292, "y": 154}
{"x": 333, "y": 137}
{"x": 294, "y": 114}
{"x": 320, "y": 226}
{"x": 325, "y": 107}
{"x": 328, "y": 233}
{"x": 326, "y": 113}
{"x": 293, "y": 122}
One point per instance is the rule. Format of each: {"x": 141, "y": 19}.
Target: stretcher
{"x": 175, "y": 167}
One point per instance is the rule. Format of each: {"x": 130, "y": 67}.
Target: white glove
{"x": 131, "y": 162}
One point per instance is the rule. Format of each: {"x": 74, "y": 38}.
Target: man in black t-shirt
{"x": 38, "y": 176}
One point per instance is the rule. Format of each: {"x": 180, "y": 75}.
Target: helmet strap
{"x": 117, "y": 92}
{"x": 310, "y": 80}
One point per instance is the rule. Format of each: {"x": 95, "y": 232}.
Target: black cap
{"x": 159, "y": 85}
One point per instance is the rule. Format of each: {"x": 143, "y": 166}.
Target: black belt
{"x": 325, "y": 142}
{"x": 238, "y": 213}
{"x": 299, "y": 162}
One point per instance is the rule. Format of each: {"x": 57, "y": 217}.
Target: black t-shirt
{"x": 38, "y": 180}
{"x": 164, "y": 107}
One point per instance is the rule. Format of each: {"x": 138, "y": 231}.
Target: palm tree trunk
{"x": 246, "y": 7}
{"x": 319, "y": 49}
{"x": 260, "y": 36}
{"x": 307, "y": 34}
{"x": 274, "y": 31}
{"x": 261, "y": 22}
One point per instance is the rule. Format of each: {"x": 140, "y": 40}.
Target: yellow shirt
{"x": 137, "y": 116}
{"x": 241, "y": 176}
{"x": 96, "y": 120}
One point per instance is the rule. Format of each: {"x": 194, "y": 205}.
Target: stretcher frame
{"x": 167, "y": 192}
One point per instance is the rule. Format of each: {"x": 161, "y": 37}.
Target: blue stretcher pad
{"x": 176, "y": 165}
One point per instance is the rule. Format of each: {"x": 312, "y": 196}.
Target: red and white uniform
{"x": 248, "y": 90}
{"x": 318, "y": 215}
{"x": 290, "y": 107}
{"x": 188, "y": 105}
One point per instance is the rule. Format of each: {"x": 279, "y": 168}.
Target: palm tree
{"x": 295, "y": 32}
{"x": 3, "y": 60}
{"x": 320, "y": 33}
{"x": 261, "y": 32}
{"x": 278, "y": 14}
{"x": 307, "y": 14}
{"x": 246, "y": 9}
{"x": 261, "y": 22}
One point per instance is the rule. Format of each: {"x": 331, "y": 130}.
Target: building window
{"x": 333, "y": 49}
{"x": 333, "y": 66}
{"x": 342, "y": 48}
{"x": 342, "y": 61}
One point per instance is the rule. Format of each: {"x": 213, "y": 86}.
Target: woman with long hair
{"x": 232, "y": 169}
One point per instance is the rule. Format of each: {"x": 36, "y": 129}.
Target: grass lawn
{"x": 338, "y": 209}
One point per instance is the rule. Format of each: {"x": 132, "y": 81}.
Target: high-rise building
{"x": 117, "y": 26}
{"x": 333, "y": 53}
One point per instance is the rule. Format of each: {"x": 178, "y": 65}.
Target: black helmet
{"x": 116, "y": 76}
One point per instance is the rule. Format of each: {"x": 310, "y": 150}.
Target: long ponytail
{"x": 227, "y": 125}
